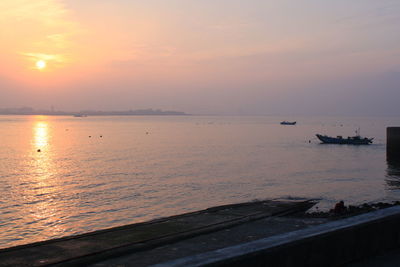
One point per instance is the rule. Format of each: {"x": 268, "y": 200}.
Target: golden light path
{"x": 44, "y": 181}
{"x": 41, "y": 134}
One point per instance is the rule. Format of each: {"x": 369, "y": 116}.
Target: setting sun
{"x": 41, "y": 64}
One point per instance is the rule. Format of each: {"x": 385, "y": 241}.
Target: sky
{"x": 228, "y": 57}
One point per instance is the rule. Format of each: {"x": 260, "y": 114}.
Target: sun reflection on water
{"x": 42, "y": 194}
{"x": 41, "y": 134}
{"x": 42, "y": 162}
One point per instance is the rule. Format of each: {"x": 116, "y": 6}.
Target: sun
{"x": 41, "y": 64}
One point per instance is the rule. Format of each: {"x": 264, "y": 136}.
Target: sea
{"x": 64, "y": 175}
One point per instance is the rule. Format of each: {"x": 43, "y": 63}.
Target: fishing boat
{"x": 288, "y": 122}
{"x": 351, "y": 140}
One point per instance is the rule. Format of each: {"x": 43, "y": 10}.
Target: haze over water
{"x": 134, "y": 169}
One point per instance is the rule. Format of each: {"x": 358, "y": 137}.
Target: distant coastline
{"x": 137, "y": 112}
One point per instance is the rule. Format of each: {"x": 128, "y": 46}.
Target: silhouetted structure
{"x": 393, "y": 157}
{"x": 393, "y": 143}
{"x": 138, "y": 112}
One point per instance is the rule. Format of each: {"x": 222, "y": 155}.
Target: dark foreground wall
{"x": 331, "y": 244}
{"x": 393, "y": 143}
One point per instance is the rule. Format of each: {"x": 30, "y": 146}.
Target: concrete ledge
{"x": 332, "y": 244}
{"x": 81, "y": 250}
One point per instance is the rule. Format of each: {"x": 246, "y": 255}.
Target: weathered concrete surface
{"x": 236, "y": 235}
{"x": 110, "y": 243}
{"x": 332, "y": 244}
{"x": 393, "y": 143}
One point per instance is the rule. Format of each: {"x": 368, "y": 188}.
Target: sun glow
{"x": 41, "y": 64}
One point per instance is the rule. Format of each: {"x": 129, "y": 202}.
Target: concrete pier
{"x": 336, "y": 243}
{"x": 393, "y": 143}
{"x": 86, "y": 249}
{"x": 262, "y": 233}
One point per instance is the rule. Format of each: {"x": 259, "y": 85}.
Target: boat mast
{"x": 358, "y": 131}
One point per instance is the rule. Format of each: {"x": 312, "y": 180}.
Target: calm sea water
{"x": 134, "y": 169}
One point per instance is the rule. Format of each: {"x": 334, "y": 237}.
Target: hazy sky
{"x": 202, "y": 56}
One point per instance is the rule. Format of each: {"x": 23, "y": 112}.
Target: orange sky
{"x": 204, "y": 57}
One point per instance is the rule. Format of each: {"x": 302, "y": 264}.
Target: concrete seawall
{"x": 263, "y": 233}
{"x": 82, "y": 250}
{"x": 331, "y": 244}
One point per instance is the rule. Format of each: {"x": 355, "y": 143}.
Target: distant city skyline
{"x": 228, "y": 57}
{"x": 53, "y": 111}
